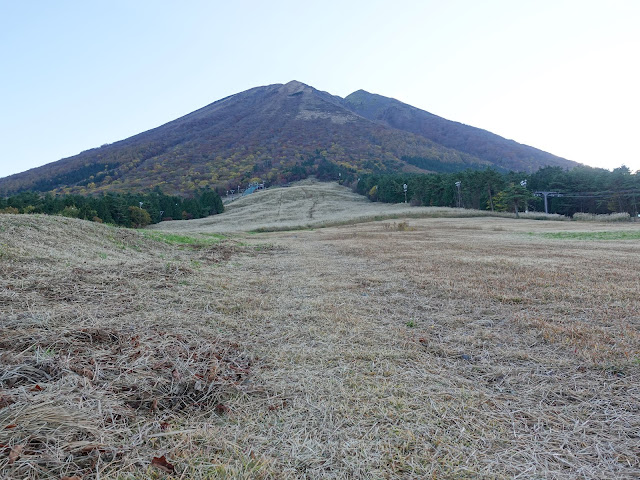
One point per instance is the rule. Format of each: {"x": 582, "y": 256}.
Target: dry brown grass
{"x": 313, "y": 204}
{"x": 448, "y": 348}
{"x": 103, "y": 360}
{"x": 611, "y": 217}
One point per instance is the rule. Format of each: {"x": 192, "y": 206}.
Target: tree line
{"x": 127, "y": 210}
{"x": 581, "y": 189}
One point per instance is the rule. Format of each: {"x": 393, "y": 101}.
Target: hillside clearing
{"x": 442, "y": 348}
{"x": 313, "y": 204}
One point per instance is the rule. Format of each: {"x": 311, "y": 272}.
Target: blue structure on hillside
{"x": 252, "y": 188}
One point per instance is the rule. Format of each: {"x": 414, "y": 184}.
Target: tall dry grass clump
{"x": 543, "y": 216}
{"x": 602, "y": 217}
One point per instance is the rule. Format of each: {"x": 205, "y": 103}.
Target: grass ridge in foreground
{"x": 181, "y": 239}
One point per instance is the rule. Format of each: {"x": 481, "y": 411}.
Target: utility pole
{"x": 490, "y": 197}
{"x": 459, "y": 199}
{"x": 405, "y": 192}
{"x": 523, "y": 184}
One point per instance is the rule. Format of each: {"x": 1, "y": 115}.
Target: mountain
{"x": 279, "y": 133}
{"x": 493, "y": 148}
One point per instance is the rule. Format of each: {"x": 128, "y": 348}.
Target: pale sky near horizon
{"x": 560, "y": 75}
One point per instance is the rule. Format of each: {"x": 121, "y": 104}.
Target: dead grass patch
{"x": 311, "y": 204}
{"x": 99, "y": 372}
{"x": 459, "y": 348}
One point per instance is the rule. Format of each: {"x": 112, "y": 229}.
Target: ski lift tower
{"x": 546, "y": 195}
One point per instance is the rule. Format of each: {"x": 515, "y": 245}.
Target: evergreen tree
{"x": 515, "y": 197}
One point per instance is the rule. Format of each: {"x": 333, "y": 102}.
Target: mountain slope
{"x": 275, "y": 133}
{"x": 500, "y": 151}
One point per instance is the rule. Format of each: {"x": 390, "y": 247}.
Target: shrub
{"x": 373, "y": 193}
{"x": 139, "y": 218}
{"x": 71, "y": 211}
{"x": 543, "y": 216}
{"x": 400, "y": 227}
{"x": 11, "y": 210}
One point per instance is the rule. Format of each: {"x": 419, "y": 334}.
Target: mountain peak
{"x": 278, "y": 133}
{"x": 294, "y": 87}
{"x": 358, "y": 92}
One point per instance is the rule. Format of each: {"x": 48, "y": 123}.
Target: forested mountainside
{"x": 279, "y": 133}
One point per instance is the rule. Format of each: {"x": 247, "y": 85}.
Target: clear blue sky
{"x": 560, "y": 75}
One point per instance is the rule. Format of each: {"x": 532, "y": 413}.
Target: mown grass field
{"x": 403, "y": 348}
{"x": 312, "y": 204}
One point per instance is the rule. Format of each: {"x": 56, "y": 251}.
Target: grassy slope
{"x": 308, "y": 204}
{"x": 456, "y": 348}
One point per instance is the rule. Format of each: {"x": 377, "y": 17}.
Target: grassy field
{"x": 404, "y": 348}
{"x": 312, "y": 204}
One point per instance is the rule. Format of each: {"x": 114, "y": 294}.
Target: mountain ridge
{"x": 391, "y": 112}
{"x": 277, "y": 133}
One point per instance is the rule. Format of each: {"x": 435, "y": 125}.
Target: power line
{"x": 601, "y": 194}
{"x": 605, "y": 193}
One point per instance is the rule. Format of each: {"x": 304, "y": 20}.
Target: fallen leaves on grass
{"x": 15, "y": 453}
{"x": 161, "y": 463}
